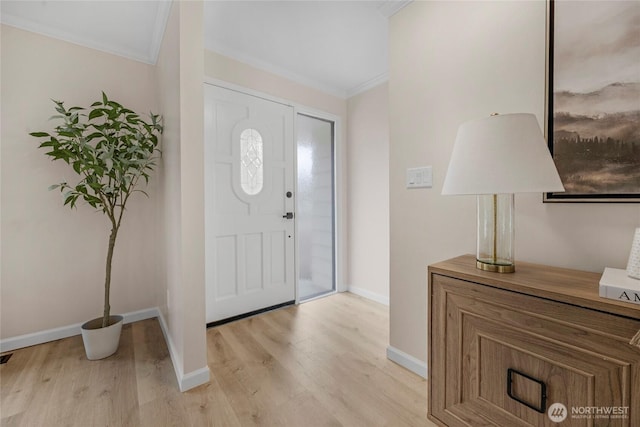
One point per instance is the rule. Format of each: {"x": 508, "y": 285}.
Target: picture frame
{"x": 592, "y": 111}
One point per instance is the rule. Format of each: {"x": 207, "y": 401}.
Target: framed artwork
{"x": 593, "y": 99}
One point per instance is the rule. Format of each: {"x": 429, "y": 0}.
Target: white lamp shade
{"x": 633, "y": 266}
{"x": 501, "y": 154}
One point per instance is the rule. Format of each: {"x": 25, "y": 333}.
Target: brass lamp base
{"x": 496, "y": 268}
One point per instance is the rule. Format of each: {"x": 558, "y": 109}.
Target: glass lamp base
{"x": 495, "y": 233}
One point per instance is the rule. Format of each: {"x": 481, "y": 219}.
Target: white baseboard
{"x": 405, "y": 360}
{"x": 185, "y": 381}
{"x": 382, "y": 299}
{"x": 54, "y": 334}
{"x": 195, "y": 378}
{"x": 136, "y": 316}
{"x": 191, "y": 379}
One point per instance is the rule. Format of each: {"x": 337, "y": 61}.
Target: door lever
{"x": 289, "y": 215}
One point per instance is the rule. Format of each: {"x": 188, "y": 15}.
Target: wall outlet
{"x": 420, "y": 177}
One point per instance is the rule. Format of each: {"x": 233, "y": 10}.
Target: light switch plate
{"x": 420, "y": 177}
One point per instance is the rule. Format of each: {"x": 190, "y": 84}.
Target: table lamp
{"x": 493, "y": 158}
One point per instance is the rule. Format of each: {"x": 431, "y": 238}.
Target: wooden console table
{"x": 504, "y": 348}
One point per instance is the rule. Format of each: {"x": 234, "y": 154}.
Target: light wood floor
{"x": 321, "y": 363}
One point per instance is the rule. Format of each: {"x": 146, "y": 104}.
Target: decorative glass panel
{"x": 251, "y": 161}
{"x": 315, "y": 210}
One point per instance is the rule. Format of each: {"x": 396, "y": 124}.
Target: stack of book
{"x": 616, "y": 284}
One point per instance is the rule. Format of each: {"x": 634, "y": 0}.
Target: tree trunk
{"x": 107, "y": 280}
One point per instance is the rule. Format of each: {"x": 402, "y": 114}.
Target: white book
{"x": 615, "y": 284}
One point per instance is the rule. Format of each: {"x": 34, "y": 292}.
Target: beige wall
{"x": 225, "y": 69}
{"x": 368, "y": 183}
{"x": 451, "y": 62}
{"x": 180, "y": 75}
{"x": 229, "y": 70}
{"x": 52, "y": 257}
{"x": 168, "y": 89}
{"x": 192, "y": 183}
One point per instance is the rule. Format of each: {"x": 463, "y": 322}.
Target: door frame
{"x": 340, "y": 176}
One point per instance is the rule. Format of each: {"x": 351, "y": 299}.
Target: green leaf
{"x": 104, "y": 98}
{"x": 93, "y": 200}
{"x": 68, "y": 196}
{"x": 39, "y": 134}
{"x": 96, "y": 113}
{"x": 53, "y": 187}
{"x": 116, "y": 106}
{"x": 93, "y": 135}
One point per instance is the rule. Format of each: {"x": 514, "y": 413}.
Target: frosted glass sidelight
{"x": 251, "y": 161}
{"x": 315, "y": 207}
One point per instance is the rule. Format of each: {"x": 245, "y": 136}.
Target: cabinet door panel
{"x": 573, "y": 377}
{"x": 478, "y": 333}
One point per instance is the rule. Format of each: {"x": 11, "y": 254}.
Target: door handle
{"x": 543, "y": 391}
{"x": 289, "y": 215}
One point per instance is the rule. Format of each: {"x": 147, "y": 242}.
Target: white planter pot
{"x": 101, "y": 342}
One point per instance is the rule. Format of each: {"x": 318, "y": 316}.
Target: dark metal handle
{"x": 289, "y": 215}
{"x": 543, "y": 391}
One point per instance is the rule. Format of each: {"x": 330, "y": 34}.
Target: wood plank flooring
{"x": 322, "y": 363}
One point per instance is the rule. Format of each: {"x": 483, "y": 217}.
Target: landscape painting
{"x": 593, "y": 105}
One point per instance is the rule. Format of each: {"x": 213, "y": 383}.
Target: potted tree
{"x": 111, "y": 149}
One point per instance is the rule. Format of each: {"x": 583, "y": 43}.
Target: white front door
{"x": 249, "y": 184}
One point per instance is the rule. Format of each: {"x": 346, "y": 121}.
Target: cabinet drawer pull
{"x": 543, "y": 390}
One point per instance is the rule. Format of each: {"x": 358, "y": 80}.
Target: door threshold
{"x": 249, "y": 314}
{"x": 318, "y": 296}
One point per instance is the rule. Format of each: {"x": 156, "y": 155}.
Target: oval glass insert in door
{"x": 251, "y": 162}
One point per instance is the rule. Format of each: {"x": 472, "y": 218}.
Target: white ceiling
{"x": 339, "y": 47}
{"x": 335, "y": 46}
{"x": 132, "y": 29}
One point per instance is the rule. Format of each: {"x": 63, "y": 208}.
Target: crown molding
{"x": 391, "y": 7}
{"x": 369, "y": 84}
{"x": 159, "y": 27}
{"x": 150, "y": 57}
{"x": 274, "y": 69}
